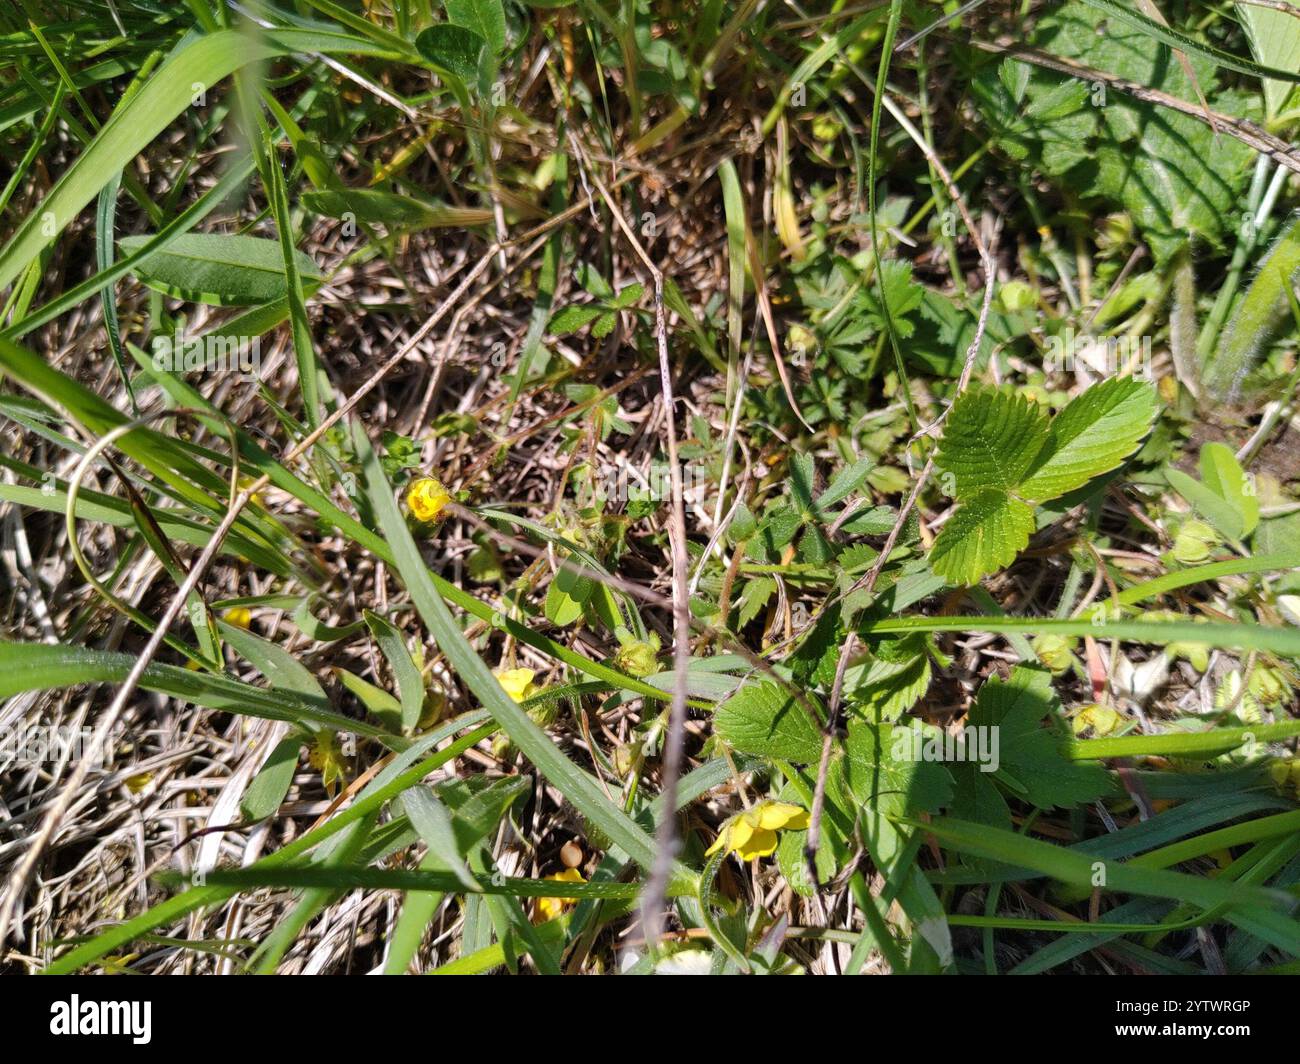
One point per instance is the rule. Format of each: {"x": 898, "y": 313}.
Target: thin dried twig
{"x": 657, "y": 887}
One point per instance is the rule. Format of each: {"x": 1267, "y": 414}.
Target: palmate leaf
{"x": 990, "y": 440}
{"x": 1091, "y": 436}
{"x": 881, "y": 769}
{"x": 1031, "y": 758}
{"x": 984, "y": 535}
{"x": 763, "y": 720}
{"x": 998, "y": 450}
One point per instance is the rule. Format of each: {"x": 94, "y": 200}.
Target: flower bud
{"x": 1016, "y": 296}
{"x": 1268, "y": 685}
{"x": 1055, "y": 651}
{"x": 1101, "y": 719}
{"x": 426, "y": 498}
{"x": 637, "y": 659}
{"x": 1194, "y": 542}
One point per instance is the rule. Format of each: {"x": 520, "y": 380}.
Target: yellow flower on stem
{"x": 239, "y": 616}
{"x": 550, "y": 908}
{"x": 517, "y": 683}
{"x": 326, "y": 757}
{"x": 426, "y": 498}
{"x": 752, "y": 833}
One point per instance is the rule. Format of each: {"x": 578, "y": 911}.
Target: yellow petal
{"x": 517, "y": 683}
{"x": 426, "y": 498}
{"x": 550, "y": 908}
{"x": 773, "y": 815}
{"x": 741, "y": 832}
{"x": 239, "y": 616}
{"x": 761, "y": 844}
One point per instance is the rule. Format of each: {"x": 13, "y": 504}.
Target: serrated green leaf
{"x": 753, "y": 597}
{"x": 1031, "y": 758}
{"x": 845, "y": 483}
{"x": 1094, "y": 433}
{"x": 603, "y": 325}
{"x": 870, "y": 521}
{"x": 984, "y": 535}
{"x": 990, "y": 440}
{"x": 880, "y": 769}
{"x": 628, "y": 295}
{"x": 221, "y": 270}
{"x": 801, "y": 480}
{"x": 886, "y": 690}
{"x": 1173, "y": 174}
{"x": 794, "y": 866}
{"x": 764, "y": 720}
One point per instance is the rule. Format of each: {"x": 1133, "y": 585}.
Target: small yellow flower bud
{"x": 624, "y": 759}
{"x": 326, "y": 756}
{"x": 1231, "y": 694}
{"x": 637, "y": 659}
{"x": 1101, "y": 719}
{"x": 826, "y": 127}
{"x": 1016, "y": 296}
{"x": 239, "y": 616}
{"x": 1054, "y": 651}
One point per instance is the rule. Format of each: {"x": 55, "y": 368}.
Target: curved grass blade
{"x": 576, "y": 785}
{"x": 207, "y": 61}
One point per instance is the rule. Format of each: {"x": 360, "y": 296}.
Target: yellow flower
{"x": 247, "y": 482}
{"x": 426, "y": 498}
{"x": 138, "y": 784}
{"x": 752, "y": 833}
{"x": 326, "y": 756}
{"x": 239, "y": 616}
{"x": 550, "y": 908}
{"x": 517, "y": 683}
